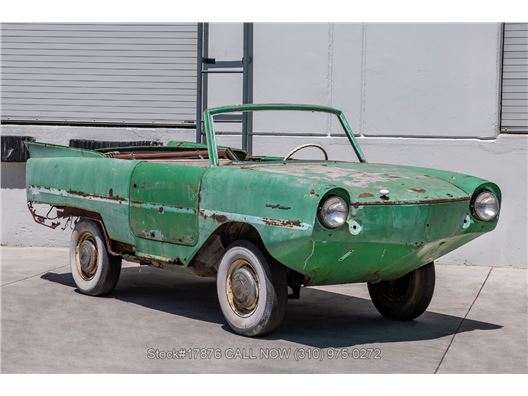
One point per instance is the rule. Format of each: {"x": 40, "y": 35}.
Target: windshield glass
{"x": 317, "y": 135}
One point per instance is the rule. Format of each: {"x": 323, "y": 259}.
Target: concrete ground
{"x": 163, "y": 322}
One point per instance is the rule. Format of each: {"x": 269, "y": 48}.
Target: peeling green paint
{"x": 166, "y": 210}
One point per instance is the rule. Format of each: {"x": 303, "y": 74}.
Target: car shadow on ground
{"x": 319, "y": 319}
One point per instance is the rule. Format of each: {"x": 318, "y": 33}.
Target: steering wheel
{"x": 303, "y": 146}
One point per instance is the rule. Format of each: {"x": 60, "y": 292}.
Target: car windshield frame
{"x": 211, "y": 136}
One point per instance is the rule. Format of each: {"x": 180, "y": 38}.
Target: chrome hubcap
{"x": 242, "y": 288}
{"x": 86, "y": 256}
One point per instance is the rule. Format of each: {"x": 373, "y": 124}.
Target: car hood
{"x": 363, "y": 181}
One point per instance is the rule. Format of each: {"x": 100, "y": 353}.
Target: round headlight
{"x": 485, "y": 205}
{"x": 333, "y": 212}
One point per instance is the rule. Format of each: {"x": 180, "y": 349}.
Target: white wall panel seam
{"x": 363, "y": 87}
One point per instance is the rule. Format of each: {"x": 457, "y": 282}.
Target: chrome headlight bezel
{"x": 333, "y": 212}
{"x": 485, "y": 205}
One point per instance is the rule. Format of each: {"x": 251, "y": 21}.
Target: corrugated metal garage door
{"x": 515, "y": 78}
{"x": 99, "y": 73}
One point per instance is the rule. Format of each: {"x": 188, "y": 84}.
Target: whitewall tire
{"x": 252, "y": 290}
{"x": 94, "y": 270}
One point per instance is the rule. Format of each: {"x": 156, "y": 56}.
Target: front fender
{"x": 282, "y": 208}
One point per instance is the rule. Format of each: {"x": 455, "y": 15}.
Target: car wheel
{"x": 94, "y": 271}
{"x": 407, "y": 297}
{"x": 252, "y": 290}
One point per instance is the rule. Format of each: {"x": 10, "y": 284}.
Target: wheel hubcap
{"x": 242, "y": 288}
{"x": 86, "y": 256}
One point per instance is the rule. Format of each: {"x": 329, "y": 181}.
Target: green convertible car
{"x": 263, "y": 225}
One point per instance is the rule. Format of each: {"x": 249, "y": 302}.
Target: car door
{"x": 164, "y": 202}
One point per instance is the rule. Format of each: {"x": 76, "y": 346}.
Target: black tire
{"x": 405, "y": 298}
{"x": 252, "y": 290}
{"x": 94, "y": 270}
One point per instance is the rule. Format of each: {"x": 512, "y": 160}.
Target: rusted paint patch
{"x": 184, "y": 240}
{"x": 277, "y": 206}
{"x": 96, "y": 196}
{"x": 238, "y": 217}
{"x": 419, "y": 202}
{"x": 366, "y": 195}
{"x": 336, "y": 172}
{"x": 219, "y": 217}
{"x": 418, "y": 190}
{"x": 75, "y": 193}
{"x": 282, "y": 223}
{"x": 150, "y": 234}
{"x": 314, "y": 193}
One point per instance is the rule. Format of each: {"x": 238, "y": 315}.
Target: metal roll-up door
{"x": 514, "y": 114}
{"x": 126, "y": 74}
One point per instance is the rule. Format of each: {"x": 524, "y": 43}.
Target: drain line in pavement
{"x": 462, "y": 321}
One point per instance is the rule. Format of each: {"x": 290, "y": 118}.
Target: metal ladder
{"x": 206, "y": 66}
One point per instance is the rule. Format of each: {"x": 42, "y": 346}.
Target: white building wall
{"x": 431, "y": 80}
{"x": 417, "y": 94}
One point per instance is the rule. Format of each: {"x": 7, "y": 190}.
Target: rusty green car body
{"x": 167, "y": 212}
